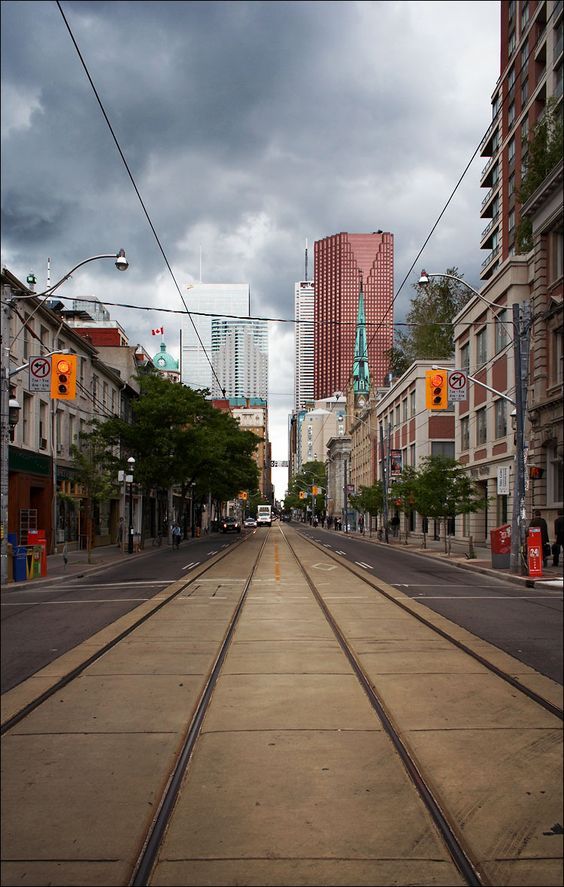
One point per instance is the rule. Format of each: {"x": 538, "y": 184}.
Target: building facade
{"x": 208, "y": 300}
{"x": 341, "y": 260}
{"x": 239, "y": 352}
{"x": 531, "y": 73}
{"x": 303, "y": 315}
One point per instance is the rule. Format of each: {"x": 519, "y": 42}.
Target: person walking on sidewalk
{"x": 540, "y": 522}
{"x": 558, "y": 538}
{"x": 176, "y": 534}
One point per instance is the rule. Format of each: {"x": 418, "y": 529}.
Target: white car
{"x": 249, "y": 522}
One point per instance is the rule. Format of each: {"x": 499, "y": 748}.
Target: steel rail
{"x": 460, "y": 856}
{"x": 77, "y": 670}
{"x": 530, "y": 694}
{"x": 148, "y": 855}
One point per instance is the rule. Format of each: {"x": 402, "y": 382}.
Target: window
{"x": 404, "y": 410}
{"x": 524, "y": 91}
{"x": 42, "y": 426}
{"x": 412, "y": 454}
{"x": 511, "y": 220}
{"x": 557, "y": 358}
{"x": 27, "y": 403}
{"x": 481, "y": 348}
{"x": 511, "y": 44}
{"x": 511, "y": 114}
{"x": 443, "y": 448}
{"x": 511, "y": 78}
{"x": 556, "y": 253}
{"x": 412, "y": 403}
{"x": 481, "y": 427}
{"x": 501, "y": 418}
{"x": 501, "y": 330}
{"x": 524, "y": 15}
{"x": 465, "y": 433}
{"x": 511, "y": 150}
{"x": 511, "y": 184}
{"x": 555, "y": 479}
{"x": 26, "y": 338}
{"x": 465, "y": 358}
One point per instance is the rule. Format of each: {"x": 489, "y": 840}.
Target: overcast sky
{"x": 248, "y": 127}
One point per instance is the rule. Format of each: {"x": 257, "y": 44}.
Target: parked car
{"x": 230, "y": 525}
{"x": 250, "y": 522}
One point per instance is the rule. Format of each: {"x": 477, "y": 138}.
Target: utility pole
{"x": 5, "y": 439}
{"x": 521, "y": 339}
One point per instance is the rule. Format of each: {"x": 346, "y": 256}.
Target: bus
{"x": 264, "y": 515}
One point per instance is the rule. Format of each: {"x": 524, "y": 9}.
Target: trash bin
{"x": 20, "y": 563}
{"x": 10, "y": 562}
{"x": 500, "y": 544}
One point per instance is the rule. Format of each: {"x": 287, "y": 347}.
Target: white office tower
{"x": 211, "y": 299}
{"x": 239, "y": 350}
{"x": 303, "y": 315}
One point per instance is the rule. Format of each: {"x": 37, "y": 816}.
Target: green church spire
{"x": 361, "y": 374}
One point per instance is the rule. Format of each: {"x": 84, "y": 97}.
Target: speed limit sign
{"x": 39, "y": 373}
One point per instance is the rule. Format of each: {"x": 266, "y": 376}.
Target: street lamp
{"x": 521, "y": 359}
{"x": 121, "y": 264}
{"x": 129, "y": 480}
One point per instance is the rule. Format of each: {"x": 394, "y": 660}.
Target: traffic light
{"x": 63, "y": 376}
{"x": 302, "y": 494}
{"x": 436, "y": 390}
{"x": 244, "y": 495}
{"x": 314, "y": 490}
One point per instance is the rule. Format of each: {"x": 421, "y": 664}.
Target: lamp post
{"x": 192, "y": 527}
{"x": 121, "y": 264}
{"x": 129, "y": 480}
{"x": 521, "y": 334}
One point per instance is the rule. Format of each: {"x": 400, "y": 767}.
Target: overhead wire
{"x": 136, "y": 189}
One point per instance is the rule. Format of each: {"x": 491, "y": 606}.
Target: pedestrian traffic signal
{"x": 302, "y": 494}
{"x": 63, "y": 376}
{"x": 436, "y": 389}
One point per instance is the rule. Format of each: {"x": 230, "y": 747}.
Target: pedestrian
{"x": 540, "y": 522}
{"x": 394, "y": 524}
{"x": 558, "y": 537}
{"x": 361, "y": 524}
{"x": 176, "y": 534}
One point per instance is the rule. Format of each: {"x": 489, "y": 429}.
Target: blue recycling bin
{"x": 20, "y": 563}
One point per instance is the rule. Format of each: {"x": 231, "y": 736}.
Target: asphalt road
{"x": 524, "y": 622}
{"x": 41, "y": 621}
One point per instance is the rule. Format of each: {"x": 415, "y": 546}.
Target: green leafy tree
{"x": 430, "y": 331}
{"x": 311, "y": 474}
{"x": 442, "y": 489}
{"x": 95, "y": 466}
{"x": 178, "y": 438}
{"x": 369, "y": 500}
{"x": 404, "y": 493}
{"x": 545, "y": 151}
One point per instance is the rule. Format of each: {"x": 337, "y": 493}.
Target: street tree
{"x": 369, "y": 500}
{"x": 430, "y": 334}
{"x": 95, "y": 465}
{"x": 404, "y": 491}
{"x": 443, "y": 490}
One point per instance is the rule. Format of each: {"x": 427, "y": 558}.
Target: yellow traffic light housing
{"x": 436, "y": 389}
{"x": 63, "y": 376}
{"x": 314, "y": 491}
{"x": 302, "y": 494}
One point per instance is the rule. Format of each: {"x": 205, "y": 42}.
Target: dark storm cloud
{"x": 247, "y": 127}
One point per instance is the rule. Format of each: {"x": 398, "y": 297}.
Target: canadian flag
{"x": 160, "y": 331}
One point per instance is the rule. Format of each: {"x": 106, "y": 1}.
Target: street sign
{"x": 39, "y": 373}
{"x": 457, "y": 385}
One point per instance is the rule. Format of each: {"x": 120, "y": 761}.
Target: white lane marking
{"x": 111, "y": 600}
{"x": 488, "y": 597}
{"x": 338, "y": 551}
{"x": 191, "y": 565}
{"x": 365, "y": 566}
{"x": 212, "y": 552}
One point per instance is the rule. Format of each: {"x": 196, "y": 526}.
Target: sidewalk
{"x": 459, "y": 557}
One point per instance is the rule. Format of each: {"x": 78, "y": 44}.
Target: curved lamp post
{"x": 520, "y": 359}
{"x": 129, "y": 480}
{"x": 121, "y": 264}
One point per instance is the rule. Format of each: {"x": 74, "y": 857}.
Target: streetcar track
{"x": 90, "y": 660}
{"x": 365, "y": 577}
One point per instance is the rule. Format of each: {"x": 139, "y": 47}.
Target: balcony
{"x": 487, "y": 168}
{"x": 489, "y": 259}
{"x": 486, "y": 210}
{"x": 488, "y": 232}
{"x": 486, "y": 146}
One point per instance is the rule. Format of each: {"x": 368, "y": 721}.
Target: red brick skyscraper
{"x": 338, "y": 261}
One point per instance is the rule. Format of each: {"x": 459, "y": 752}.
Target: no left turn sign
{"x": 39, "y": 373}
{"x": 457, "y": 385}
